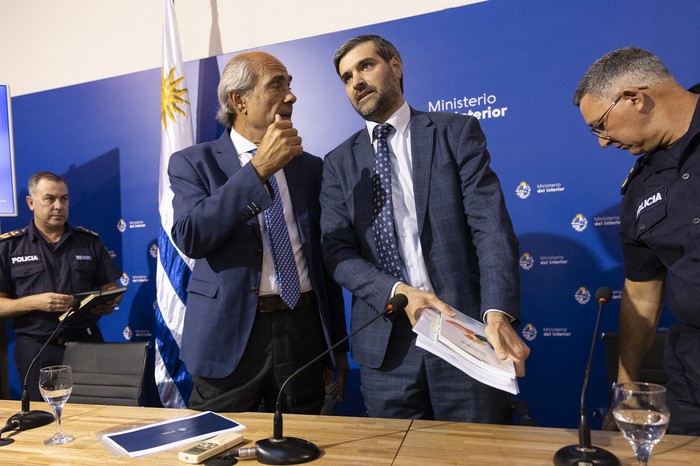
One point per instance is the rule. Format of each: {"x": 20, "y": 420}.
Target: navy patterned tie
{"x": 383, "y": 206}
{"x": 281, "y": 246}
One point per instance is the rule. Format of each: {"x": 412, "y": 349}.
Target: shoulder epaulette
{"x": 85, "y": 230}
{"x": 625, "y": 184}
{"x": 13, "y": 234}
{"x": 633, "y": 172}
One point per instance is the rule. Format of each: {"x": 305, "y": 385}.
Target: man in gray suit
{"x": 426, "y": 218}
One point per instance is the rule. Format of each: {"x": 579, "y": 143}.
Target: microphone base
{"x": 288, "y": 450}
{"x": 578, "y": 455}
{"x": 31, "y": 419}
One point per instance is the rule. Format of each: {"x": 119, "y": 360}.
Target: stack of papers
{"x": 461, "y": 341}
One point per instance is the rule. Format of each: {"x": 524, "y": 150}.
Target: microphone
{"x": 27, "y": 419}
{"x": 279, "y": 449}
{"x": 584, "y": 452}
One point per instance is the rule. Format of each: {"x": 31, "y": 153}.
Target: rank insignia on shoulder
{"x": 85, "y": 230}
{"x": 636, "y": 169}
{"x": 13, "y": 233}
{"x": 625, "y": 183}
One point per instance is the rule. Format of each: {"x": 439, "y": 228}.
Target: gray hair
{"x": 238, "y": 77}
{"x": 630, "y": 66}
{"x": 38, "y": 176}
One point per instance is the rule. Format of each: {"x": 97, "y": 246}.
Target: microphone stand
{"x": 584, "y": 452}
{"x": 26, "y": 418}
{"x": 279, "y": 449}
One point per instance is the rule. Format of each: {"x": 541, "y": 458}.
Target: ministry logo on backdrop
{"x": 548, "y": 188}
{"x": 523, "y": 190}
{"x": 579, "y": 223}
{"x": 553, "y": 260}
{"x": 481, "y": 107}
{"x": 607, "y": 221}
{"x": 526, "y": 261}
{"x": 529, "y": 332}
{"x": 582, "y": 295}
{"x": 556, "y": 332}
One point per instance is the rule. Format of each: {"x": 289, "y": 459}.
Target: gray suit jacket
{"x": 468, "y": 242}
{"x": 215, "y": 206}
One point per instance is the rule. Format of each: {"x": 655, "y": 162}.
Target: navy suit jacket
{"x": 466, "y": 234}
{"x": 216, "y": 205}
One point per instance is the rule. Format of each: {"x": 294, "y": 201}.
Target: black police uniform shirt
{"x": 29, "y": 265}
{"x": 660, "y": 223}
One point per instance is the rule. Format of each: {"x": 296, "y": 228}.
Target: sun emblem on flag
{"x": 171, "y": 97}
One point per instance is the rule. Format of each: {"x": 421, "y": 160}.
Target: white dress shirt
{"x": 268, "y": 281}
{"x": 403, "y": 197}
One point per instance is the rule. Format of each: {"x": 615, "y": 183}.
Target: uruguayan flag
{"x": 173, "y": 269}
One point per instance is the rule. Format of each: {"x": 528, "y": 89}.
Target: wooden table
{"x": 343, "y": 440}
{"x": 454, "y": 443}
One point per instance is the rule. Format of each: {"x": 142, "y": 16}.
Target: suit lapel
{"x": 226, "y": 155}
{"x": 363, "y": 154}
{"x": 422, "y": 148}
{"x": 227, "y": 159}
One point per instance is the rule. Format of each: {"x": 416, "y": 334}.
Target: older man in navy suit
{"x": 246, "y": 208}
{"x": 425, "y": 217}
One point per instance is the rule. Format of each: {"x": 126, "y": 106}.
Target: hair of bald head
{"x": 240, "y": 76}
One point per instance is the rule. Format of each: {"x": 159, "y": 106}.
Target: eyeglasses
{"x": 599, "y": 127}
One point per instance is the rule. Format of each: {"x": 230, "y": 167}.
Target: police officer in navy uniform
{"x": 41, "y": 267}
{"x": 631, "y": 101}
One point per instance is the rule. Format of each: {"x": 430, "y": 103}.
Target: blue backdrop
{"x": 512, "y": 63}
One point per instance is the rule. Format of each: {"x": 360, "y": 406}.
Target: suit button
{"x": 259, "y": 252}
{"x": 255, "y": 290}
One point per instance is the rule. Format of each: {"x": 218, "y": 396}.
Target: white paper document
{"x": 461, "y": 341}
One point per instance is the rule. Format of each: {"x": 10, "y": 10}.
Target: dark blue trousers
{"x": 682, "y": 364}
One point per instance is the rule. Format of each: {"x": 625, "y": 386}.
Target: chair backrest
{"x": 652, "y": 366}
{"x": 107, "y": 373}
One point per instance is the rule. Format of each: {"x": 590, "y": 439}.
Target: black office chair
{"x": 107, "y": 373}
{"x": 652, "y": 366}
{"x": 522, "y": 416}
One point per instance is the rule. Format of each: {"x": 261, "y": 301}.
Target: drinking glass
{"x": 56, "y": 385}
{"x": 641, "y": 414}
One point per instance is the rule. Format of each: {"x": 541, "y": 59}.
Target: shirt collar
{"x": 680, "y": 146}
{"x": 668, "y": 157}
{"x": 241, "y": 144}
{"x": 35, "y": 235}
{"x": 399, "y": 120}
